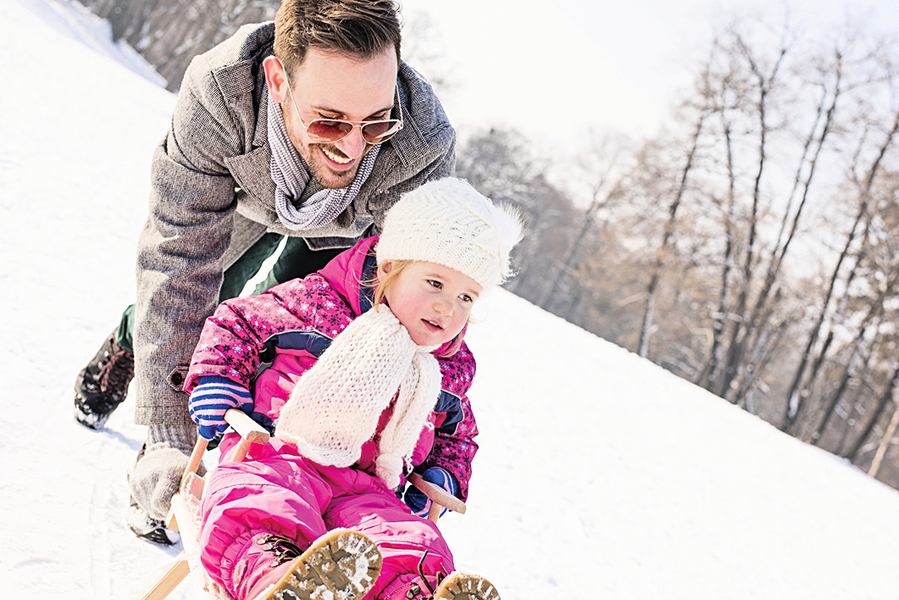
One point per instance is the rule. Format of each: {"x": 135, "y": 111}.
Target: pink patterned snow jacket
{"x": 289, "y": 326}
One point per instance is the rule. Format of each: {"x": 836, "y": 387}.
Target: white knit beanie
{"x": 450, "y": 223}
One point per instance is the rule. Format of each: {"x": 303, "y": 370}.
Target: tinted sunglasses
{"x": 333, "y": 130}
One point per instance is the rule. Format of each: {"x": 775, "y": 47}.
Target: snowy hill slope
{"x": 599, "y": 476}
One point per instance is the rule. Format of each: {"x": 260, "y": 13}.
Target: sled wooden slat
{"x": 437, "y": 495}
{"x": 249, "y": 430}
{"x": 196, "y": 457}
{"x": 169, "y": 580}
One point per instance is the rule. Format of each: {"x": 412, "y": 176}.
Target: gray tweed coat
{"x": 213, "y": 197}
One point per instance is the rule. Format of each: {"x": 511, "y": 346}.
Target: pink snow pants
{"x": 278, "y": 491}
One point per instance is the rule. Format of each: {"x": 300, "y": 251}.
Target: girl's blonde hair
{"x": 380, "y": 286}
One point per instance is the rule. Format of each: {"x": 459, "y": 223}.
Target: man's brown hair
{"x": 358, "y": 28}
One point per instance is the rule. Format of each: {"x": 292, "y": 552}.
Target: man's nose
{"x": 354, "y": 144}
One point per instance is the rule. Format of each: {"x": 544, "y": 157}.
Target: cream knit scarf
{"x": 336, "y": 405}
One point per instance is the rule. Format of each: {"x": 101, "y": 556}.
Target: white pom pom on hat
{"x": 448, "y": 222}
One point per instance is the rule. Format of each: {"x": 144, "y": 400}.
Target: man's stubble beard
{"x": 324, "y": 175}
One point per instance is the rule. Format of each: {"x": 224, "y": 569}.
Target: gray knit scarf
{"x": 291, "y": 175}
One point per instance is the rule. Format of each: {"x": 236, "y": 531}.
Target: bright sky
{"x": 607, "y": 64}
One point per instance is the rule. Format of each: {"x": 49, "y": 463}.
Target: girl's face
{"x": 432, "y": 301}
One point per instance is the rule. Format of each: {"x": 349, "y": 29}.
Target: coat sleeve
{"x": 181, "y": 250}
{"x": 243, "y": 332}
{"x": 454, "y": 446}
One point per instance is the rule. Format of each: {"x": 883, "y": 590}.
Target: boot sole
{"x": 91, "y": 420}
{"x": 341, "y": 565}
{"x": 460, "y": 586}
{"x": 147, "y": 528}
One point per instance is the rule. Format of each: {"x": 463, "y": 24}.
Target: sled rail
{"x": 183, "y": 516}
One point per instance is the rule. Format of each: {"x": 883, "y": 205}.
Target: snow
{"x": 599, "y": 476}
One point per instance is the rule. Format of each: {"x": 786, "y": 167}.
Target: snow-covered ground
{"x": 600, "y": 475}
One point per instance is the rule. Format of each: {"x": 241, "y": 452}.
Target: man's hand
{"x": 157, "y": 474}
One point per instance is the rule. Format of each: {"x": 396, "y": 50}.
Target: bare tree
{"x": 877, "y": 294}
{"x": 725, "y": 98}
{"x": 765, "y": 78}
{"x": 798, "y": 390}
{"x": 859, "y": 357}
{"x": 605, "y": 171}
{"x": 814, "y": 144}
{"x": 854, "y": 450}
{"x": 423, "y": 48}
{"x": 664, "y": 247}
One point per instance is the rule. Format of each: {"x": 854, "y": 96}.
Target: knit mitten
{"x": 420, "y": 504}
{"x": 212, "y": 397}
{"x": 157, "y": 474}
{"x": 335, "y": 407}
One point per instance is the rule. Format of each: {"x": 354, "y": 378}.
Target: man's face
{"x": 335, "y": 86}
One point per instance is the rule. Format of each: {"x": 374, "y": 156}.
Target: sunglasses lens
{"x": 329, "y": 130}
{"x": 332, "y": 130}
{"x": 378, "y": 131}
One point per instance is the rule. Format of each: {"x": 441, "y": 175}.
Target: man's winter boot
{"x": 146, "y": 527}
{"x": 340, "y": 564}
{"x": 103, "y": 383}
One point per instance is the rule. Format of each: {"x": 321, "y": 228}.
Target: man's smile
{"x": 336, "y": 155}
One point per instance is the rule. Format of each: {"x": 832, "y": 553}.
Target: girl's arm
{"x": 454, "y": 450}
{"x": 237, "y": 336}
{"x": 454, "y": 446}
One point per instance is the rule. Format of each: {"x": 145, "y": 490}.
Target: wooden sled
{"x": 184, "y": 515}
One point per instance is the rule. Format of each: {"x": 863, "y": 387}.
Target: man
{"x": 309, "y": 127}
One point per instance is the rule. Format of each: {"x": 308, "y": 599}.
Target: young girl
{"x": 366, "y": 379}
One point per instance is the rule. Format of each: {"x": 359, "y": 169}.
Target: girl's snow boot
{"x": 456, "y": 586}
{"x": 462, "y": 586}
{"x": 340, "y": 564}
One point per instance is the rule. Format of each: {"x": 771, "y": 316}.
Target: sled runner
{"x": 184, "y": 515}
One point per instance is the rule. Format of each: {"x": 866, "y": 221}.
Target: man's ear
{"x": 275, "y": 78}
